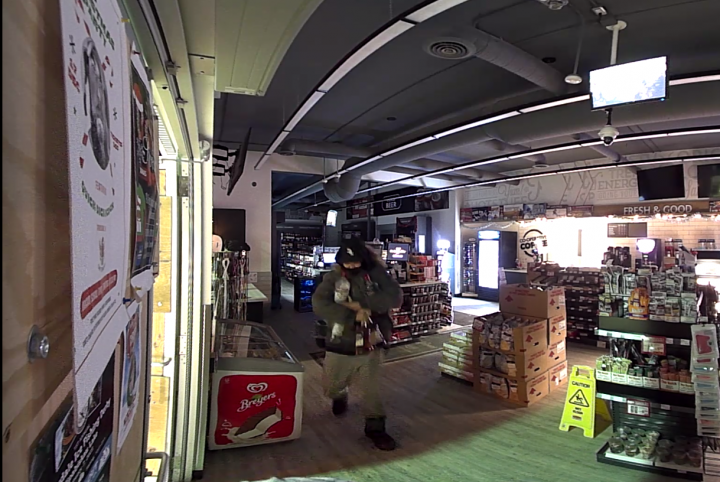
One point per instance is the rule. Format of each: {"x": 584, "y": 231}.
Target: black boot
{"x": 339, "y": 405}
{"x": 375, "y": 431}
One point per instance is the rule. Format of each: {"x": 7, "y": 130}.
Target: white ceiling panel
{"x": 252, "y": 37}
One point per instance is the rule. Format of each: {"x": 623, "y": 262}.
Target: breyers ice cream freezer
{"x": 257, "y": 388}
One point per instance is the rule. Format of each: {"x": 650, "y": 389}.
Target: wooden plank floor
{"x": 445, "y": 431}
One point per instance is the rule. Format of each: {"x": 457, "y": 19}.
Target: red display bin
{"x": 257, "y": 388}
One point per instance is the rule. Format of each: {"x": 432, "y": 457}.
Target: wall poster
{"x": 145, "y": 175}
{"x": 63, "y": 454}
{"x": 97, "y": 92}
{"x": 130, "y": 381}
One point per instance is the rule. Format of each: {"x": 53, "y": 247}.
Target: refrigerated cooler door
{"x": 488, "y": 263}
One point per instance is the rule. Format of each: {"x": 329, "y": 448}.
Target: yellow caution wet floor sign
{"x": 581, "y": 406}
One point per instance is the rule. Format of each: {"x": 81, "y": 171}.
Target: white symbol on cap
{"x": 350, "y": 252}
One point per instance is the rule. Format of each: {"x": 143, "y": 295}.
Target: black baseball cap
{"x": 351, "y": 251}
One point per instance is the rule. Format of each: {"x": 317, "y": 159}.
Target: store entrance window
{"x": 164, "y": 321}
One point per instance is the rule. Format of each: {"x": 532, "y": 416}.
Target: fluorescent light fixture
{"x": 639, "y": 138}
{"x": 551, "y": 149}
{"x": 695, "y": 80}
{"x": 433, "y": 9}
{"x": 309, "y": 104}
{"x": 556, "y": 103}
{"x": 276, "y": 143}
{"x": 299, "y": 191}
{"x": 481, "y": 122}
{"x": 360, "y": 164}
{"x": 590, "y": 144}
{"x": 690, "y": 133}
{"x": 482, "y": 163}
{"x": 408, "y": 146}
{"x": 364, "y": 52}
{"x": 262, "y": 161}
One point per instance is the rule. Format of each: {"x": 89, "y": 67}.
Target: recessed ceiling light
{"x": 549, "y": 60}
{"x": 392, "y": 118}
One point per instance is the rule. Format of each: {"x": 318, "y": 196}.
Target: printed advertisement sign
{"x": 130, "y": 381}
{"x": 63, "y": 454}
{"x": 96, "y": 91}
{"x": 145, "y": 169}
{"x": 254, "y": 409}
{"x": 358, "y": 208}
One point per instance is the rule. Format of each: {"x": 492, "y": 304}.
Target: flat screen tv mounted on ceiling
{"x": 661, "y": 183}
{"x": 708, "y": 176}
{"x": 238, "y": 167}
{"x": 640, "y": 81}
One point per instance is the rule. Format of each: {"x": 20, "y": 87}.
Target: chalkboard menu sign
{"x": 617, "y": 230}
{"x": 627, "y": 230}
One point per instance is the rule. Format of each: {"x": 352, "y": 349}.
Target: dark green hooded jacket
{"x": 375, "y": 290}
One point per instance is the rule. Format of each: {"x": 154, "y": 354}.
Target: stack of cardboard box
{"x": 457, "y": 356}
{"x": 525, "y": 360}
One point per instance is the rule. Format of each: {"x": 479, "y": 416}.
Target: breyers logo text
{"x": 256, "y": 401}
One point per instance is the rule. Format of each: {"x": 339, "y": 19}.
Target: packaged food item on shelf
{"x": 638, "y": 304}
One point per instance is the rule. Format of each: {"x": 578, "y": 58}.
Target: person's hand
{"x": 353, "y": 305}
{"x": 362, "y": 315}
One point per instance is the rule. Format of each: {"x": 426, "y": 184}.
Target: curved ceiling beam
{"x": 317, "y": 186}
{"x": 385, "y": 34}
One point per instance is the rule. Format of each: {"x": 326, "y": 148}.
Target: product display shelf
{"x": 582, "y": 288}
{"x": 669, "y": 421}
{"x": 671, "y": 413}
{"x": 297, "y": 255}
{"x": 469, "y": 269}
{"x": 420, "y": 313}
{"x": 604, "y": 456}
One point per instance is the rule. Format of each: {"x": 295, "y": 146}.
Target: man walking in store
{"x": 354, "y": 299}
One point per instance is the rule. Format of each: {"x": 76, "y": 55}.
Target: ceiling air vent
{"x": 450, "y": 48}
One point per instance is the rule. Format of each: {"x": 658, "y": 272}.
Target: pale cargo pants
{"x": 362, "y": 371}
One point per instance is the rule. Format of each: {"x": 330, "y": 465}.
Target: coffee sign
{"x": 533, "y": 240}
{"x": 676, "y": 208}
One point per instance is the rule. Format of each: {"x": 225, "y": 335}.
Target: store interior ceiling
{"x": 271, "y": 56}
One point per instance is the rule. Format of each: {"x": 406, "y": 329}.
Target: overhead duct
{"x": 475, "y": 42}
{"x": 341, "y": 189}
{"x": 318, "y": 148}
{"x": 433, "y": 165}
{"x": 693, "y": 101}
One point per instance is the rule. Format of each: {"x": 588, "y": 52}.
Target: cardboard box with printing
{"x": 558, "y": 376}
{"x": 527, "y": 301}
{"x": 509, "y": 333}
{"x": 556, "y": 353}
{"x": 527, "y": 364}
{"x": 557, "y": 329}
{"x": 522, "y": 391}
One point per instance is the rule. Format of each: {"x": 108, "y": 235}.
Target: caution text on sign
{"x": 581, "y": 404}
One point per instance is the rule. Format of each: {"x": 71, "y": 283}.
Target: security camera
{"x": 608, "y": 134}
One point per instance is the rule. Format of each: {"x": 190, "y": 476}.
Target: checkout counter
{"x": 255, "y": 302}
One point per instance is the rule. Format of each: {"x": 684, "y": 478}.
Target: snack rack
{"x": 257, "y": 387}
{"x": 644, "y": 402}
{"x": 420, "y": 313}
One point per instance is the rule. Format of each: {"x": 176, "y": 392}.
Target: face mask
{"x": 352, "y": 272}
